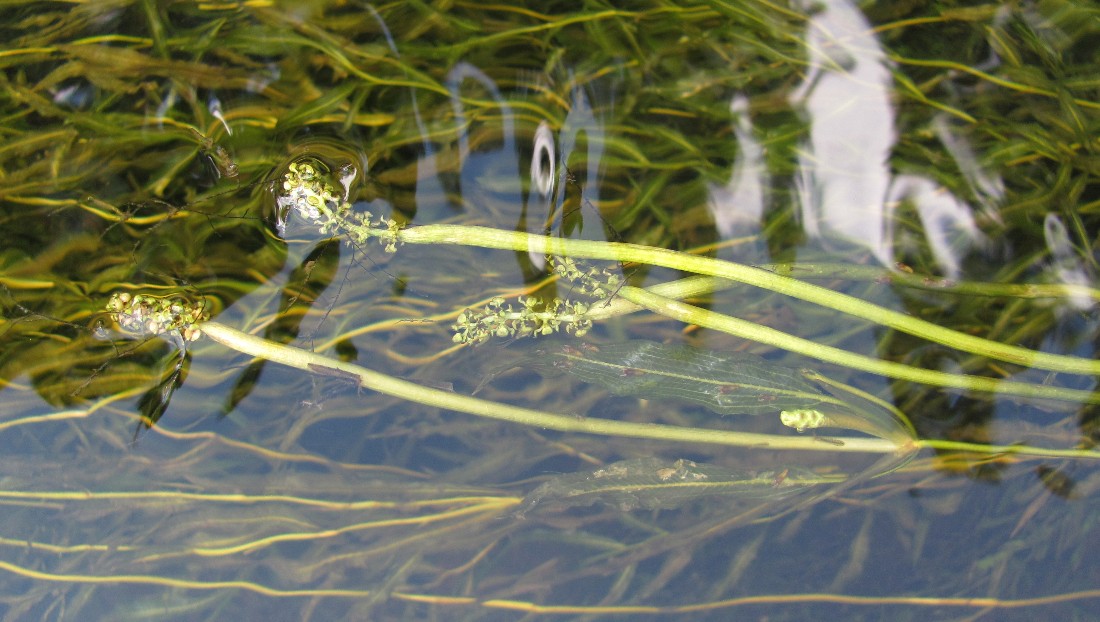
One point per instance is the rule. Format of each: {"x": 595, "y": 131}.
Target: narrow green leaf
{"x": 727, "y": 383}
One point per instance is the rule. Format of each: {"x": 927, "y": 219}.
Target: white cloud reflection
{"x": 738, "y": 206}
{"x": 846, "y": 186}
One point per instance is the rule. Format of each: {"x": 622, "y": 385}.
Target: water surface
{"x": 939, "y": 162}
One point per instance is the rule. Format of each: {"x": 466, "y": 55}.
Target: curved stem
{"x": 770, "y": 336}
{"x": 663, "y": 299}
{"x": 376, "y": 381}
{"x": 486, "y": 237}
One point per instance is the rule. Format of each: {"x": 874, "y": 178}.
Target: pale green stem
{"x": 376, "y": 381}
{"x": 659, "y": 299}
{"x": 1023, "y": 450}
{"x": 616, "y": 251}
{"x": 966, "y": 288}
{"x": 770, "y": 336}
{"x": 689, "y": 287}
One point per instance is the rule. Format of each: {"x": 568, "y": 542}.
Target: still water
{"x": 924, "y": 168}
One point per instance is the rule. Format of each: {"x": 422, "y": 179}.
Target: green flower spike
{"x": 532, "y": 319}
{"x": 145, "y": 315}
{"x": 309, "y": 191}
{"x": 599, "y": 283}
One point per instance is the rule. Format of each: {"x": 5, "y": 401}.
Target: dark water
{"x": 940, "y": 162}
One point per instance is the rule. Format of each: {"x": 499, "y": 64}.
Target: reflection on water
{"x": 844, "y": 171}
{"x": 143, "y": 150}
{"x": 848, "y": 183}
{"x": 738, "y": 206}
{"x": 1066, "y": 267}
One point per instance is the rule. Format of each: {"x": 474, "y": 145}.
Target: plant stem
{"x": 376, "y": 381}
{"x": 770, "y": 336}
{"x": 486, "y": 237}
{"x": 663, "y": 299}
{"x": 1025, "y": 450}
{"x": 964, "y": 288}
{"x": 382, "y": 383}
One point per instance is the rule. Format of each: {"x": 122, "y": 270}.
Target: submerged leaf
{"x": 727, "y": 383}
{"x": 652, "y": 483}
{"x": 154, "y": 402}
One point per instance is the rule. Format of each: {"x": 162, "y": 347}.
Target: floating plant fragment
{"x": 728, "y": 383}
{"x": 655, "y": 484}
{"x": 173, "y": 319}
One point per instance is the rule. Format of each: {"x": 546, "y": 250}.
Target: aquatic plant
{"x": 308, "y": 194}
{"x": 600, "y": 230}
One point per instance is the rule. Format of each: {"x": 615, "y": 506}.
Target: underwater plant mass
{"x": 341, "y": 310}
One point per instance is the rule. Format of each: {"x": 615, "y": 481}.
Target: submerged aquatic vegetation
{"x": 158, "y": 151}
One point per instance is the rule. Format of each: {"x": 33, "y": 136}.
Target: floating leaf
{"x": 651, "y": 483}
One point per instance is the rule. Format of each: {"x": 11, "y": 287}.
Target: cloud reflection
{"x": 738, "y": 206}
{"x": 846, "y": 185}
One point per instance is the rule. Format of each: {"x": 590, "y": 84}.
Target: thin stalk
{"x": 388, "y": 385}
{"x": 1024, "y": 450}
{"x": 376, "y": 381}
{"x": 964, "y": 288}
{"x": 663, "y": 299}
{"x": 770, "y": 336}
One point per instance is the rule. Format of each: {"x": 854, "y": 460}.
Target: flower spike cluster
{"x": 599, "y": 283}
{"x": 534, "y": 318}
{"x": 308, "y": 192}
{"x": 169, "y": 317}
{"x": 498, "y": 319}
